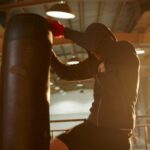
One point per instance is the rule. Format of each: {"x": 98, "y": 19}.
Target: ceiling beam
{"x": 145, "y": 60}
{"x": 144, "y": 74}
{"x": 128, "y": 36}
{"x": 138, "y": 9}
{"x": 131, "y": 23}
{"x": 19, "y": 3}
{"x": 81, "y": 14}
{"x": 119, "y": 11}
{"x": 143, "y": 23}
{"x": 73, "y": 46}
{"x": 98, "y": 10}
{"x": 2, "y": 30}
{"x": 81, "y": 9}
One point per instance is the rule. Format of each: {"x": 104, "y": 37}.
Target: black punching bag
{"x": 24, "y": 75}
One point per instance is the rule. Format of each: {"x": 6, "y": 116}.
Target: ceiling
{"x": 128, "y": 19}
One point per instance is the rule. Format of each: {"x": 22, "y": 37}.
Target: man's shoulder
{"x": 126, "y": 53}
{"x": 125, "y": 46}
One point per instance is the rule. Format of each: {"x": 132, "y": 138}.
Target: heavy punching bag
{"x": 24, "y": 75}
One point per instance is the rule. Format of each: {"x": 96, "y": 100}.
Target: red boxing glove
{"x": 57, "y": 28}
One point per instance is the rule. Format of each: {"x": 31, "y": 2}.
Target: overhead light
{"x": 73, "y": 61}
{"x": 51, "y": 83}
{"x": 61, "y": 10}
{"x": 140, "y": 51}
{"x": 79, "y": 85}
{"x": 62, "y": 92}
{"x": 57, "y": 88}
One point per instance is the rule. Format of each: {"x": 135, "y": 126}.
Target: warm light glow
{"x": 73, "y": 62}
{"x": 61, "y": 15}
{"x": 140, "y": 51}
{"x": 79, "y": 85}
{"x": 50, "y": 37}
{"x": 48, "y": 89}
{"x": 63, "y": 92}
{"x": 51, "y": 83}
{"x": 57, "y": 88}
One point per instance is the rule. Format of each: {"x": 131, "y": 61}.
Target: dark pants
{"x": 89, "y": 137}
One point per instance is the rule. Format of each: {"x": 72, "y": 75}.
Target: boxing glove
{"x": 57, "y": 28}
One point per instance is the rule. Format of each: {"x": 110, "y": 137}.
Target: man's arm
{"x": 81, "y": 71}
{"x": 78, "y": 37}
{"x": 59, "y": 30}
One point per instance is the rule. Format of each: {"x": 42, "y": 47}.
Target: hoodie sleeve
{"x": 84, "y": 70}
{"x": 78, "y": 37}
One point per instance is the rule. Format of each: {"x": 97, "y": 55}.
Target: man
{"x": 114, "y": 66}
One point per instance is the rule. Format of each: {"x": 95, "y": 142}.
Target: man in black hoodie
{"x": 114, "y": 66}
